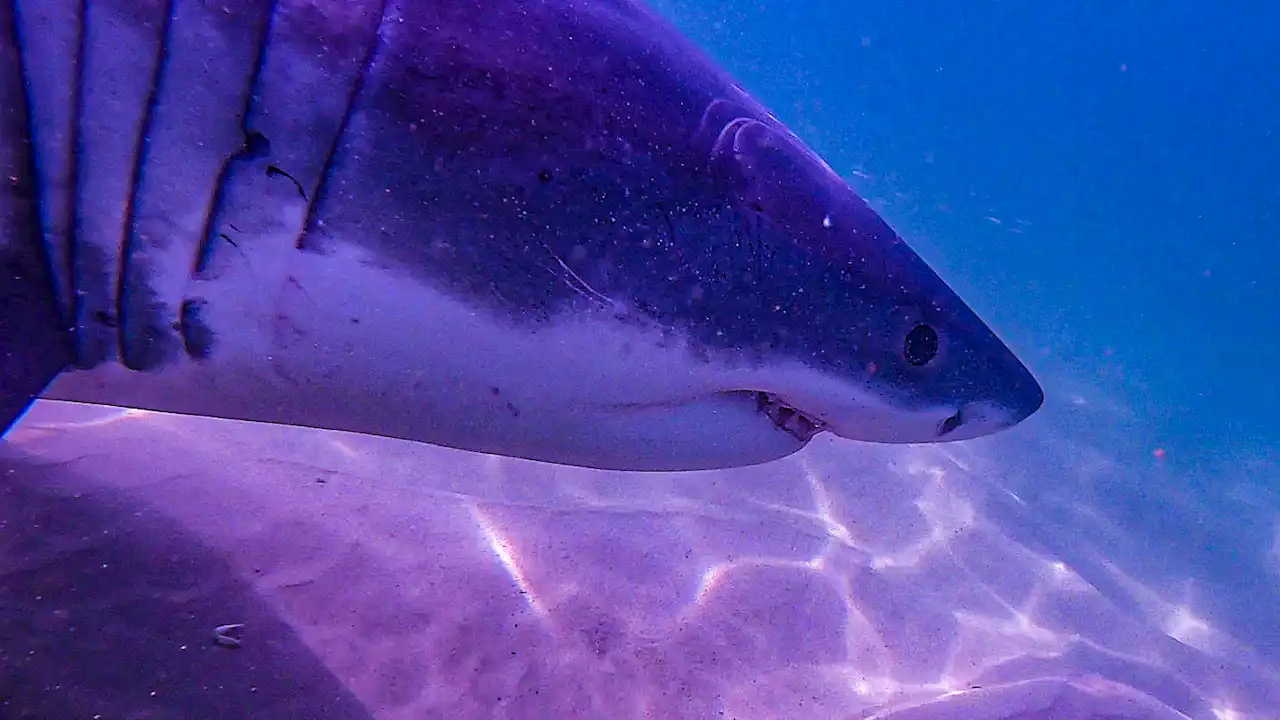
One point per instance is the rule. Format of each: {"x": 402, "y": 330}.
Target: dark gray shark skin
{"x": 552, "y": 230}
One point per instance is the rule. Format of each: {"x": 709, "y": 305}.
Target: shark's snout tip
{"x": 1026, "y": 397}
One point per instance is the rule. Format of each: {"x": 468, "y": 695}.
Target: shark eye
{"x": 921, "y": 345}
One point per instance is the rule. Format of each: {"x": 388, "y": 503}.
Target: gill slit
{"x": 141, "y": 149}
{"x": 208, "y": 233}
{"x": 321, "y": 193}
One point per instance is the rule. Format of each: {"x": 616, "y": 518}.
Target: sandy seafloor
{"x": 1059, "y": 570}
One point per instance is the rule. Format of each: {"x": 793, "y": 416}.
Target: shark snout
{"x": 1015, "y": 398}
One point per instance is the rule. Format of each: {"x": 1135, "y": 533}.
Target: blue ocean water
{"x": 1099, "y": 180}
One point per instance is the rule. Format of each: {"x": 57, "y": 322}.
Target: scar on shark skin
{"x": 228, "y": 636}
{"x": 576, "y": 283}
{"x": 515, "y": 412}
{"x": 273, "y": 171}
{"x": 257, "y": 147}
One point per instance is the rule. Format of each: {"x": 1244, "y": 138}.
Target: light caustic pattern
{"x": 1030, "y": 576}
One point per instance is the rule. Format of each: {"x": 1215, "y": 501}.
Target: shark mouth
{"x": 787, "y": 418}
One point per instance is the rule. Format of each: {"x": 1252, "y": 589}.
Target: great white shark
{"x": 548, "y": 229}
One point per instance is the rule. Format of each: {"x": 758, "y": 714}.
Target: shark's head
{"x": 763, "y": 302}
{"x": 806, "y": 313}
{"x": 869, "y": 343}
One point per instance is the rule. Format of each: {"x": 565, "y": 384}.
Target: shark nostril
{"x": 950, "y": 424}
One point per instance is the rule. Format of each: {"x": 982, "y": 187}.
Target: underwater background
{"x": 1097, "y": 180}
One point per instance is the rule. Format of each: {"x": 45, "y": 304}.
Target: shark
{"x": 547, "y": 229}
